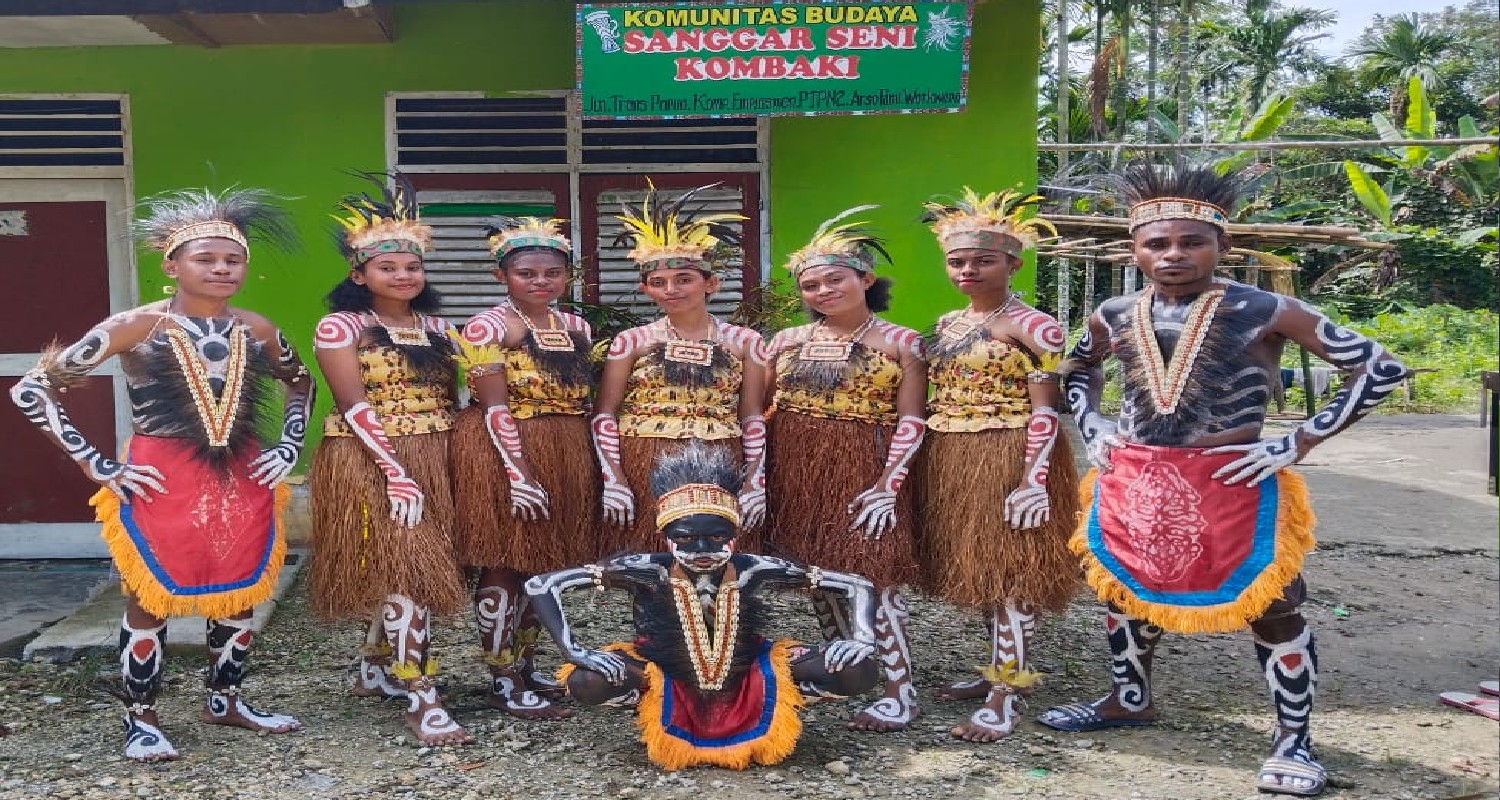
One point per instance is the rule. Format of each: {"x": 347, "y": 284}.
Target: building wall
{"x": 291, "y": 119}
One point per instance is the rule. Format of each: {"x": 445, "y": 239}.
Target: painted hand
{"x": 1028, "y": 506}
{"x": 841, "y": 653}
{"x": 1102, "y": 438}
{"x": 127, "y": 481}
{"x": 874, "y": 512}
{"x": 273, "y": 464}
{"x": 611, "y": 666}
{"x": 1261, "y": 459}
{"x": 528, "y": 500}
{"x": 406, "y": 500}
{"x": 619, "y": 504}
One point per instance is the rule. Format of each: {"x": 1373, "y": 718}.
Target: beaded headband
{"x": 386, "y": 222}
{"x": 995, "y": 221}
{"x": 514, "y": 233}
{"x": 1160, "y": 208}
{"x": 839, "y": 244}
{"x": 208, "y": 229}
{"x": 696, "y": 498}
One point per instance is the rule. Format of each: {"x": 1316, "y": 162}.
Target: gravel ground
{"x": 1396, "y": 628}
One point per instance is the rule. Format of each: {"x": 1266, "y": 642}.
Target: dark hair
{"x": 504, "y": 262}
{"x": 877, "y": 298}
{"x": 1143, "y": 180}
{"x": 694, "y": 462}
{"x": 351, "y": 296}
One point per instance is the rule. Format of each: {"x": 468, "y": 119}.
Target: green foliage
{"x": 1459, "y": 344}
{"x": 1437, "y": 268}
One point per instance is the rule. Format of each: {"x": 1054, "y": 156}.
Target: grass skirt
{"x": 637, "y": 457}
{"x": 816, "y": 468}
{"x": 971, "y": 557}
{"x": 561, "y": 456}
{"x": 360, "y": 556}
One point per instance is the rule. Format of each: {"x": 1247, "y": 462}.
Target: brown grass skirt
{"x": 561, "y": 456}
{"x": 359, "y": 555}
{"x": 816, "y": 468}
{"x": 637, "y": 457}
{"x": 971, "y": 557}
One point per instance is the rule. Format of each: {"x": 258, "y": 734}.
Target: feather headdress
{"x": 695, "y": 479}
{"x": 841, "y": 244}
{"x": 996, "y": 221}
{"x": 667, "y": 234}
{"x": 506, "y": 234}
{"x": 170, "y": 220}
{"x": 389, "y": 222}
{"x": 1178, "y": 190}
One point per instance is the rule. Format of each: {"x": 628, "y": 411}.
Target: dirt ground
{"x": 1404, "y": 597}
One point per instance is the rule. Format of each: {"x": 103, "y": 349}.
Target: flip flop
{"x": 1489, "y": 687}
{"x": 1483, "y": 706}
{"x": 1085, "y": 717}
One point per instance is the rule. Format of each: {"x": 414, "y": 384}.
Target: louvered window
{"x": 481, "y": 134}
{"x": 61, "y": 132}
{"x": 716, "y": 144}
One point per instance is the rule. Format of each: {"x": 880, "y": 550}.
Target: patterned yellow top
{"x": 532, "y": 394}
{"x": 406, "y": 405}
{"x": 867, "y": 393}
{"x": 982, "y": 387}
{"x": 656, "y": 409}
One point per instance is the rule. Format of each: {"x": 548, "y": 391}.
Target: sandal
{"x": 1489, "y": 687}
{"x": 1277, "y": 770}
{"x": 1483, "y": 706}
{"x": 1085, "y": 717}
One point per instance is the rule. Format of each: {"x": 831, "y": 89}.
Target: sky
{"x": 1356, "y": 15}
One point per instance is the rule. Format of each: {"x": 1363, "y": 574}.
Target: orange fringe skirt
{"x": 561, "y": 455}
{"x": 359, "y": 554}
{"x": 971, "y": 557}
{"x": 637, "y": 457}
{"x": 816, "y": 468}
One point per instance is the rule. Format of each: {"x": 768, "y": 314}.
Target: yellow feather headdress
{"x": 841, "y": 244}
{"x": 668, "y": 235}
{"x": 996, "y": 221}
{"x": 506, "y": 234}
{"x": 389, "y": 223}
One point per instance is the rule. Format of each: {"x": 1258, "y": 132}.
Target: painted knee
{"x": 591, "y": 688}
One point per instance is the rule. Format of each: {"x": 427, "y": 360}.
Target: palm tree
{"x": 1400, "y": 52}
{"x": 1271, "y": 42}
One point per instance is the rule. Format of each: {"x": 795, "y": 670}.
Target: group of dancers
{"x": 703, "y": 465}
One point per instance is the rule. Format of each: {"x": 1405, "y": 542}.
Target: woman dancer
{"x": 993, "y": 433}
{"x": 381, "y": 498}
{"x": 848, "y": 391}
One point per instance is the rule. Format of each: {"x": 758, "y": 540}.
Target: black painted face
{"x": 701, "y": 542}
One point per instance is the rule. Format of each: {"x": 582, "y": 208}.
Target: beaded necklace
{"x": 962, "y": 326}
{"x": 839, "y": 349}
{"x": 683, "y": 351}
{"x": 712, "y": 654}
{"x": 1167, "y": 380}
{"x": 218, "y": 415}
{"x": 555, "y": 339}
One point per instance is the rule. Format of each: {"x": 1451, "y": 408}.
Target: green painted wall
{"x": 290, "y": 119}
{"x": 822, "y": 165}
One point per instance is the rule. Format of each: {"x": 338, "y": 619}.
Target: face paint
{"x": 701, "y": 542}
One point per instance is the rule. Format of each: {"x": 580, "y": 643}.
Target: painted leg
{"x": 1289, "y": 660}
{"x": 142, "y": 651}
{"x": 977, "y": 687}
{"x": 816, "y": 683}
{"x": 898, "y": 707}
{"x": 1011, "y": 628}
{"x": 833, "y": 615}
{"x": 372, "y": 676}
{"x": 407, "y": 633}
{"x": 593, "y": 689}
{"x": 528, "y": 633}
{"x": 228, "y": 646}
{"x": 1132, "y": 645}
{"x": 496, "y": 609}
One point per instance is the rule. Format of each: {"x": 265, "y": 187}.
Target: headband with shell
{"x": 386, "y": 222}
{"x": 995, "y": 221}
{"x": 667, "y": 234}
{"x": 840, "y": 244}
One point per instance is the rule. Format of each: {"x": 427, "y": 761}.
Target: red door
{"x": 56, "y": 255}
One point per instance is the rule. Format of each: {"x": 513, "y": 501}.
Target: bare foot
{"x": 428, "y": 720}
{"x": 894, "y": 712}
{"x": 995, "y": 720}
{"x": 373, "y": 680}
{"x": 144, "y": 740}
{"x": 226, "y": 708}
{"x": 523, "y": 703}
{"x": 971, "y": 689}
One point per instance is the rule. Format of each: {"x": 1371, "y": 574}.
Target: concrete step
{"x": 96, "y": 626}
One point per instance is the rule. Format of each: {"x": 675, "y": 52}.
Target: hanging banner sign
{"x": 719, "y": 60}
